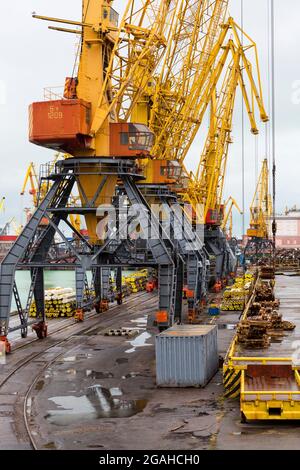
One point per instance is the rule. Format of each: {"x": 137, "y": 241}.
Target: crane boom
{"x": 206, "y": 188}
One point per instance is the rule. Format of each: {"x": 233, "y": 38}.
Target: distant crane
{"x": 12, "y": 222}
{"x": 2, "y": 205}
{"x": 259, "y": 245}
{"x": 229, "y": 205}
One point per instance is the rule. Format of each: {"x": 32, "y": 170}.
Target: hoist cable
{"x": 80, "y": 42}
{"x": 274, "y": 228}
{"x": 243, "y": 130}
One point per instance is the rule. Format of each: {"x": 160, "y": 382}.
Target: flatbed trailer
{"x": 267, "y": 380}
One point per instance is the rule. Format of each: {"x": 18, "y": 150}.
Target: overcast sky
{"x": 32, "y": 57}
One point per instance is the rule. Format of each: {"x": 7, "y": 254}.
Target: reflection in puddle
{"x": 122, "y": 360}
{"x": 141, "y": 321}
{"x": 93, "y": 374}
{"x": 49, "y": 445}
{"x": 39, "y": 385}
{"x": 99, "y": 402}
{"x": 75, "y": 358}
{"x": 138, "y": 342}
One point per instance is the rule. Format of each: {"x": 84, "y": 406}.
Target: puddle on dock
{"x": 39, "y": 385}
{"x": 50, "y": 445}
{"x": 131, "y": 375}
{"x": 122, "y": 360}
{"x": 138, "y": 342}
{"x": 226, "y": 326}
{"x": 140, "y": 321}
{"x": 77, "y": 357}
{"x": 99, "y": 402}
{"x": 93, "y": 374}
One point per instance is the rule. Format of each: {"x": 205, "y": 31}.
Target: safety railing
{"x": 53, "y": 93}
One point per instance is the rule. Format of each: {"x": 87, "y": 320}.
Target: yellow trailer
{"x": 267, "y": 381}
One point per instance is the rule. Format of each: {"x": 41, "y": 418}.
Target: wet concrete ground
{"x": 102, "y": 395}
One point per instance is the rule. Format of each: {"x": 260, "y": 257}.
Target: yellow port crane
{"x": 261, "y": 207}
{"x": 227, "y": 224}
{"x": 205, "y": 191}
{"x": 106, "y": 84}
{"x": 2, "y": 205}
{"x": 31, "y": 179}
{"x": 36, "y": 190}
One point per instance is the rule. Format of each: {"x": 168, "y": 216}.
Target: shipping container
{"x": 186, "y": 356}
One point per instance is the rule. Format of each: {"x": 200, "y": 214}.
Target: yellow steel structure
{"x": 160, "y": 65}
{"x": 228, "y": 210}
{"x": 32, "y": 179}
{"x": 205, "y": 191}
{"x": 117, "y": 61}
{"x": 38, "y": 192}
{"x": 261, "y": 207}
{"x": 2, "y": 205}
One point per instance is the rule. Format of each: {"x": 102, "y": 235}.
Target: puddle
{"x": 29, "y": 406}
{"x": 140, "y": 321}
{"x": 131, "y": 375}
{"x": 226, "y": 326}
{"x": 49, "y": 445}
{"x": 93, "y": 374}
{"x": 39, "y": 385}
{"x": 99, "y": 402}
{"x": 122, "y": 360}
{"x": 138, "y": 342}
{"x": 77, "y": 357}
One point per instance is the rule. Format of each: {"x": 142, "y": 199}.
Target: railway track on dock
{"x": 22, "y": 373}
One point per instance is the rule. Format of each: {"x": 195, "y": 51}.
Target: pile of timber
{"x": 264, "y": 292}
{"x": 267, "y": 272}
{"x": 263, "y": 320}
{"x": 287, "y": 259}
{"x": 253, "y": 334}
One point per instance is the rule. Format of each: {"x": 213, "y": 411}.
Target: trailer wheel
{"x": 243, "y": 418}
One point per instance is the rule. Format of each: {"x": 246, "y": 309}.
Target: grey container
{"x": 186, "y": 356}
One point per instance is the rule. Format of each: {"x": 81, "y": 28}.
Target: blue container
{"x": 214, "y": 311}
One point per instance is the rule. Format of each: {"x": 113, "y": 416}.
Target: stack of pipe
{"x": 59, "y": 302}
{"x": 234, "y": 297}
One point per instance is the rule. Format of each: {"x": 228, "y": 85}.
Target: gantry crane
{"x": 105, "y": 150}
{"x": 259, "y": 244}
{"x": 97, "y": 121}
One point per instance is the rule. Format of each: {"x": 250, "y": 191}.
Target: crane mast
{"x": 261, "y": 206}
{"x": 259, "y": 246}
